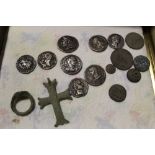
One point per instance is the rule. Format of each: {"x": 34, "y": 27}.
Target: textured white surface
{"x": 96, "y": 110}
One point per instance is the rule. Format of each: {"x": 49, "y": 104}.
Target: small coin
{"x": 68, "y": 44}
{"x": 117, "y": 93}
{"x": 134, "y": 40}
{"x": 78, "y": 87}
{"x": 26, "y": 64}
{"x": 141, "y": 63}
{"x": 122, "y": 59}
{"x": 116, "y": 41}
{"x": 110, "y": 69}
{"x": 95, "y": 75}
{"x": 71, "y": 64}
{"x": 47, "y": 60}
{"x": 98, "y": 43}
{"x": 133, "y": 75}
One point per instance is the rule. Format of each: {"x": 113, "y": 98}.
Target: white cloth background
{"x": 96, "y": 110}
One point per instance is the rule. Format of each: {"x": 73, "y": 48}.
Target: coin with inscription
{"x": 71, "y": 64}
{"x": 26, "y": 64}
{"x": 78, "y": 87}
{"x": 133, "y": 75}
{"x": 116, "y": 41}
{"x": 122, "y": 59}
{"x": 95, "y": 75}
{"x": 141, "y": 63}
{"x": 117, "y": 93}
{"x": 134, "y": 40}
{"x": 110, "y": 69}
{"x": 68, "y": 44}
{"x": 98, "y": 43}
{"x": 47, "y": 60}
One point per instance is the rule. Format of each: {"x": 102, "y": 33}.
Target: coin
{"x": 134, "y": 40}
{"x": 78, "y": 87}
{"x": 110, "y": 69}
{"x": 47, "y": 60}
{"x": 68, "y": 44}
{"x": 98, "y": 43}
{"x": 71, "y": 64}
{"x": 122, "y": 59}
{"x": 26, "y": 64}
{"x": 117, "y": 93}
{"x": 116, "y": 41}
{"x": 133, "y": 75}
{"x": 95, "y": 75}
{"x": 141, "y": 63}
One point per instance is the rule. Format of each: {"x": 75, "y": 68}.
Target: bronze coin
{"x": 110, "y": 69}
{"x": 133, "y": 75}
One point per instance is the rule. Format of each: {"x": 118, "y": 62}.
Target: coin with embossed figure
{"x": 141, "y": 63}
{"x": 115, "y": 41}
{"x": 26, "y": 64}
{"x": 68, "y": 44}
{"x": 134, "y": 40}
{"x": 122, "y": 59}
{"x": 110, "y": 69}
{"x": 47, "y": 60}
{"x": 78, "y": 87}
{"x": 95, "y": 75}
{"x": 133, "y": 75}
{"x": 98, "y": 43}
{"x": 71, "y": 64}
{"x": 117, "y": 93}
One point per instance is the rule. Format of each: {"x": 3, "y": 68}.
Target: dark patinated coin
{"x": 98, "y": 43}
{"x": 26, "y": 64}
{"x": 71, "y": 64}
{"x": 141, "y": 63}
{"x": 47, "y": 60}
{"x": 116, "y": 41}
{"x": 95, "y": 75}
{"x": 78, "y": 87}
{"x": 133, "y": 75}
{"x": 117, "y": 93}
{"x": 110, "y": 69}
{"x": 134, "y": 40}
{"x": 68, "y": 44}
{"x": 122, "y": 59}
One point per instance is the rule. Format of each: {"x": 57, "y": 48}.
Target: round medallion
{"x": 68, "y": 44}
{"x": 116, "y": 41}
{"x": 110, "y": 69}
{"x": 141, "y": 63}
{"x": 134, "y": 40}
{"x": 133, "y": 75}
{"x": 47, "y": 60}
{"x": 98, "y": 43}
{"x": 117, "y": 93}
{"x": 122, "y": 59}
{"x": 26, "y": 64}
{"x": 71, "y": 64}
{"x": 78, "y": 87}
{"x": 95, "y": 75}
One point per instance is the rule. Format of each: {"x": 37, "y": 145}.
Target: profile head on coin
{"x": 134, "y": 40}
{"x": 98, "y": 43}
{"x": 26, "y": 64}
{"x": 78, "y": 87}
{"x": 141, "y": 63}
{"x": 95, "y": 75}
{"x": 71, "y": 64}
{"x": 116, "y": 41}
{"x": 117, "y": 93}
{"x": 122, "y": 59}
{"x": 47, "y": 60}
{"x": 68, "y": 44}
{"x": 133, "y": 75}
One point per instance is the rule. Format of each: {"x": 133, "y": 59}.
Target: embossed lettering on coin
{"x": 78, "y": 87}
{"x": 71, "y": 64}
{"x": 68, "y": 44}
{"x": 47, "y": 60}
{"x": 26, "y": 64}
{"x": 95, "y": 75}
